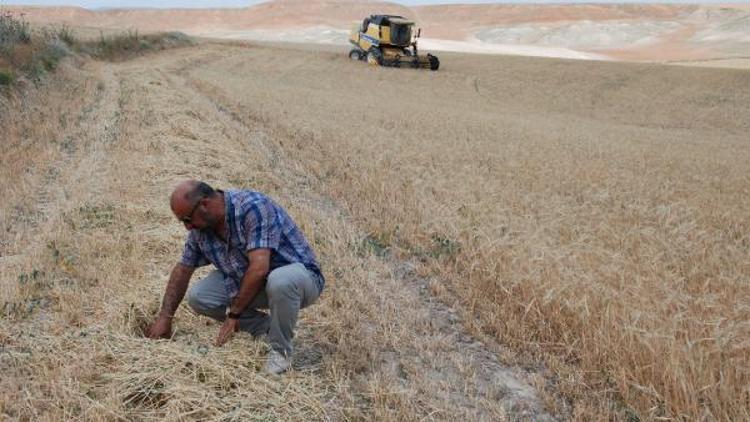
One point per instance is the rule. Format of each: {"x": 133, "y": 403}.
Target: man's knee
{"x": 207, "y": 295}
{"x": 201, "y": 303}
{"x": 280, "y": 282}
{"x": 194, "y": 300}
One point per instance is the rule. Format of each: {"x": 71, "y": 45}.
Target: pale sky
{"x": 98, "y": 4}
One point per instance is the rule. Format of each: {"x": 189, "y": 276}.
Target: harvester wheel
{"x": 434, "y": 62}
{"x": 374, "y": 57}
{"x": 355, "y": 54}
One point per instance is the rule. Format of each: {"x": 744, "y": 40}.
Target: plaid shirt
{"x": 253, "y": 221}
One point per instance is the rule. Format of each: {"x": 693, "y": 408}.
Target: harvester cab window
{"x": 400, "y": 34}
{"x": 365, "y": 24}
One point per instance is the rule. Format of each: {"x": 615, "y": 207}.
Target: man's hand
{"x": 178, "y": 282}
{"x": 161, "y": 328}
{"x": 252, "y": 283}
{"x": 227, "y": 331}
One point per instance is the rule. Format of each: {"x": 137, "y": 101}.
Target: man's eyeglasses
{"x": 189, "y": 218}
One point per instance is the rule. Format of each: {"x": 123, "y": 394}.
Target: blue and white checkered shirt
{"x": 253, "y": 221}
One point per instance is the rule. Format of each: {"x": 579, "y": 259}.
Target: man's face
{"x": 196, "y": 216}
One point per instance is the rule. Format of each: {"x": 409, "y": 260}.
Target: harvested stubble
{"x": 86, "y": 243}
{"x": 88, "y": 227}
{"x": 589, "y": 214}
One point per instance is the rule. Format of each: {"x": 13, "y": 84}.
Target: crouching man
{"x": 262, "y": 261}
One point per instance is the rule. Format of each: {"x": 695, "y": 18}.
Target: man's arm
{"x": 176, "y": 288}
{"x": 252, "y": 283}
{"x": 178, "y": 282}
{"x": 253, "y": 280}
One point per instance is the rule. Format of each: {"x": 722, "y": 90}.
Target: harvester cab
{"x": 387, "y": 40}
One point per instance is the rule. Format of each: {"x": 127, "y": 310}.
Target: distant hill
{"x": 629, "y": 32}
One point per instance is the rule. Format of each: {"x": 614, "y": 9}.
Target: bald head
{"x": 187, "y": 193}
{"x": 182, "y": 194}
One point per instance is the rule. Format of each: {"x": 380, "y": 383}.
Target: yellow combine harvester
{"x": 387, "y": 40}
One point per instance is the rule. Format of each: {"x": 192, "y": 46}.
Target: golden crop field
{"x": 506, "y": 238}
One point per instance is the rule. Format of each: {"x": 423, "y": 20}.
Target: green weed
{"x": 6, "y": 77}
{"x": 14, "y": 30}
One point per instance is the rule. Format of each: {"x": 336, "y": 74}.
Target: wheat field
{"x": 506, "y": 238}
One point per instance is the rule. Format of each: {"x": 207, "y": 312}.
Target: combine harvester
{"x": 386, "y": 40}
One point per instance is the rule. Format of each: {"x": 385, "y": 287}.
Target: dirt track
{"x": 390, "y": 339}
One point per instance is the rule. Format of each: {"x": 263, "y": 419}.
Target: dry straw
{"x": 591, "y": 216}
